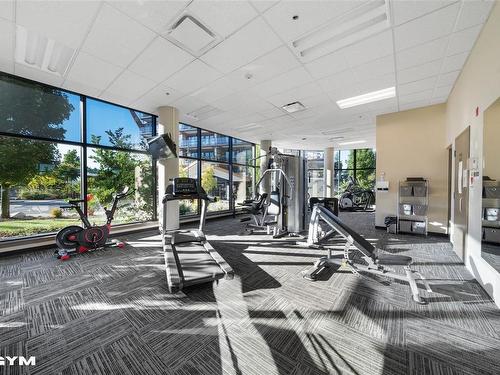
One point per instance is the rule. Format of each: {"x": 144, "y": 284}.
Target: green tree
{"x": 28, "y": 109}
{"x": 208, "y": 180}
{"x": 116, "y": 168}
{"x": 365, "y": 168}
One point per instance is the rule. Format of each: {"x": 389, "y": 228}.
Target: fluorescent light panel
{"x": 39, "y": 51}
{"x": 370, "y": 97}
{"x": 364, "y": 21}
{"x": 351, "y": 143}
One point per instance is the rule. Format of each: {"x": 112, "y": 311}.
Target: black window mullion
{"x": 83, "y": 164}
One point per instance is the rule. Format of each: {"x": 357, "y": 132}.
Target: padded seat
{"x": 394, "y": 260}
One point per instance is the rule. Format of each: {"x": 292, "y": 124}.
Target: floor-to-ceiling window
{"x": 356, "y": 164}
{"x": 223, "y": 165}
{"x": 56, "y": 145}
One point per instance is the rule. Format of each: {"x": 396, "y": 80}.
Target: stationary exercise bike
{"x": 75, "y": 239}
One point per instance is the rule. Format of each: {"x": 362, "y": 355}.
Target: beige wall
{"x": 413, "y": 144}
{"x": 491, "y": 141}
{"x": 477, "y": 86}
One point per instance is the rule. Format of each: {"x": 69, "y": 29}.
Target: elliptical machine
{"x": 75, "y": 239}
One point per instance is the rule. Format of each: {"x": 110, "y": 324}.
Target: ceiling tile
{"x": 375, "y": 68}
{"x": 369, "y": 49}
{"x": 90, "y": 75}
{"x": 224, "y": 17}
{"x": 443, "y": 91}
{"x": 7, "y": 46}
{"x": 415, "y": 97}
{"x": 377, "y": 83}
{"x": 213, "y": 91}
{"x": 272, "y": 113}
{"x": 188, "y": 104}
{"x": 244, "y": 103}
{"x": 447, "y": 78}
{"x": 455, "y": 62}
{"x": 157, "y": 15}
{"x": 249, "y": 43}
{"x": 419, "y": 72}
{"x": 277, "y": 62}
{"x": 296, "y": 94}
{"x": 311, "y": 15}
{"x": 65, "y": 21}
{"x": 283, "y": 82}
{"x": 463, "y": 40}
{"x": 340, "y": 85}
{"x": 157, "y": 97}
{"x": 263, "y": 5}
{"x": 37, "y": 75}
{"x": 473, "y": 13}
{"x": 113, "y": 42}
{"x": 194, "y": 76}
{"x": 7, "y": 10}
{"x": 421, "y": 54}
{"x": 427, "y": 28}
{"x": 414, "y": 105}
{"x": 129, "y": 87}
{"x": 417, "y": 86}
{"x": 160, "y": 60}
{"x": 405, "y": 11}
{"x": 328, "y": 65}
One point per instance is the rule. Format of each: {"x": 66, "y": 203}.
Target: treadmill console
{"x": 185, "y": 186}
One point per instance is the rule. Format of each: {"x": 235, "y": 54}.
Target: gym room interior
{"x": 249, "y": 187}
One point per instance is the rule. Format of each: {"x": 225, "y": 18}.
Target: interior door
{"x": 461, "y": 193}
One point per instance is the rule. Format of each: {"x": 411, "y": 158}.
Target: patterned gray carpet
{"x": 109, "y": 312}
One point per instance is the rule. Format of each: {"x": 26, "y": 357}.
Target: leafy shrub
{"x": 56, "y": 213}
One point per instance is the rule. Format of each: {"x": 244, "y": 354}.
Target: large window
{"x": 222, "y": 165}
{"x": 214, "y": 146}
{"x": 49, "y": 153}
{"x": 315, "y": 173}
{"x": 356, "y": 164}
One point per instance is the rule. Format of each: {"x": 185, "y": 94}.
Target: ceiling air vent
{"x": 39, "y": 51}
{"x": 360, "y": 23}
{"x": 192, "y": 35}
{"x": 294, "y": 107}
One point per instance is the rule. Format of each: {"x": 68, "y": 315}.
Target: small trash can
{"x": 391, "y": 223}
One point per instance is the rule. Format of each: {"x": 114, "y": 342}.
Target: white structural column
{"x": 168, "y": 123}
{"x": 329, "y": 172}
{"x": 265, "y": 145}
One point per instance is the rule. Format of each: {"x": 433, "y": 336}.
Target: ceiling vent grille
{"x": 39, "y": 51}
{"x": 360, "y": 23}
{"x": 192, "y": 35}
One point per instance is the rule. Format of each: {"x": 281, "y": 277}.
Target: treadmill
{"x": 189, "y": 257}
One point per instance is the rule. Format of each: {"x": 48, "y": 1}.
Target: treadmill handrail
{"x": 363, "y": 245}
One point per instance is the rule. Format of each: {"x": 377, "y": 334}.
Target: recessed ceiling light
{"x": 351, "y": 143}
{"x": 294, "y": 107}
{"x": 360, "y": 23}
{"x": 370, "y": 97}
{"x": 39, "y": 51}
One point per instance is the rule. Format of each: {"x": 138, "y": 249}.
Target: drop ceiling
{"x": 125, "y": 53}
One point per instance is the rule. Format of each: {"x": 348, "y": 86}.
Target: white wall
{"x": 477, "y": 86}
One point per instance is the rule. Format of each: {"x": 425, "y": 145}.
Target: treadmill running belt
{"x": 197, "y": 263}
